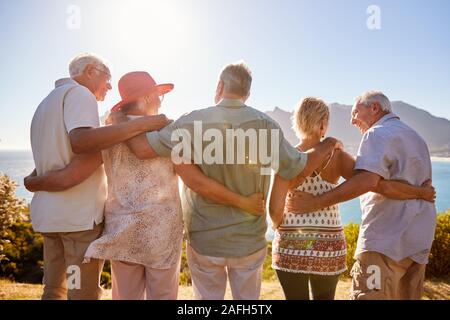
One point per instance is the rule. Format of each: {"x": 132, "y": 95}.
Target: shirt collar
{"x": 64, "y": 81}
{"x": 385, "y": 118}
{"x": 231, "y": 103}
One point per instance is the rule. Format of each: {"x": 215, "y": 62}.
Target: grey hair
{"x": 237, "y": 78}
{"x": 79, "y": 63}
{"x": 370, "y": 97}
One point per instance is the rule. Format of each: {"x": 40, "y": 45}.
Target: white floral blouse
{"x": 143, "y": 218}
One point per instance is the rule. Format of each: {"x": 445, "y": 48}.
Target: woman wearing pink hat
{"x": 143, "y": 221}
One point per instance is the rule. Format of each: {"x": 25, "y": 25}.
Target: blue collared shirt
{"x": 395, "y": 228}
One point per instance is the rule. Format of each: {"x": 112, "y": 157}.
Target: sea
{"x": 18, "y": 164}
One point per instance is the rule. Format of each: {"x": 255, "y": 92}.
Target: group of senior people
{"x": 110, "y": 192}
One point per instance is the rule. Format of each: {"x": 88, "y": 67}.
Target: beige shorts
{"x": 65, "y": 274}
{"x": 378, "y": 277}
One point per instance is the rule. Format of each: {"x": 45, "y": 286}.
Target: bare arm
{"x": 79, "y": 169}
{"x": 362, "y": 182}
{"x": 400, "y": 190}
{"x": 346, "y": 165}
{"x": 88, "y": 140}
{"x": 194, "y": 178}
{"x": 316, "y": 156}
{"x": 141, "y": 148}
{"x": 138, "y": 145}
{"x": 391, "y": 189}
{"x": 277, "y": 200}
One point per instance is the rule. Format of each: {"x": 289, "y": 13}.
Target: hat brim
{"x": 164, "y": 88}
{"x": 160, "y": 88}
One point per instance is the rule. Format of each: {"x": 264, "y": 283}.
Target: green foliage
{"x": 268, "y": 273}
{"x": 351, "y": 236}
{"x": 439, "y": 265}
{"x": 185, "y": 274}
{"x": 105, "y": 279}
{"x": 23, "y": 254}
{"x": 11, "y": 210}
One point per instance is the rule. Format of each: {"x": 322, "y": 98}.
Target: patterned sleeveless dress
{"x": 314, "y": 242}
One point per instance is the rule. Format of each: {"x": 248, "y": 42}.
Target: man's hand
{"x": 149, "y": 123}
{"x": 116, "y": 117}
{"x": 154, "y": 123}
{"x": 301, "y": 202}
{"x": 428, "y": 192}
{"x": 254, "y": 204}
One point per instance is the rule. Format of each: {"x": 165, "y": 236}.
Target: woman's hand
{"x": 254, "y": 204}
{"x": 339, "y": 145}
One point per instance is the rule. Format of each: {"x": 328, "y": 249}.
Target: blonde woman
{"x": 310, "y": 248}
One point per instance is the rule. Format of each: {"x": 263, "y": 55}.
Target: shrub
{"x": 23, "y": 254}
{"x": 439, "y": 265}
{"x": 269, "y": 273}
{"x": 351, "y": 236}
{"x": 105, "y": 279}
{"x": 185, "y": 274}
{"x": 11, "y": 210}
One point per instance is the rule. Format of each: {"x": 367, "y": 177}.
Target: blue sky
{"x": 294, "y": 48}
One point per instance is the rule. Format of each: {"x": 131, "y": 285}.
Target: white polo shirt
{"x": 67, "y": 107}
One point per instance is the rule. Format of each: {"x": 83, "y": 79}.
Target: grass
{"x": 436, "y": 289}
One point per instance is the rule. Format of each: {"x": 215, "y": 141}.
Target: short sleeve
{"x": 80, "y": 109}
{"x": 161, "y": 141}
{"x": 373, "y": 154}
{"x": 291, "y": 161}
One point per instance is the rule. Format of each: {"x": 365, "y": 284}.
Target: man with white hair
{"x": 65, "y": 129}
{"x": 224, "y": 242}
{"x": 395, "y": 235}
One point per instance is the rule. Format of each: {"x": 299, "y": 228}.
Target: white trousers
{"x": 131, "y": 281}
{"x": 209, "y": 275}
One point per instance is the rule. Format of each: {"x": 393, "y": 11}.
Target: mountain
{"x": 434, "y": 130}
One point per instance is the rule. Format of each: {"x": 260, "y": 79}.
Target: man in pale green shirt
{"x": 222, "y": 239}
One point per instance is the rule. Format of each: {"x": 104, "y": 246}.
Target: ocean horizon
{"x": 19, "y": 163}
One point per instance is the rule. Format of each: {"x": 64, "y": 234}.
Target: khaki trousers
{"x": 131, "y": 281}
{"x": 65, "y": 276}
{"x": 378, "y": 277}
{"x": 209, "y": 275}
